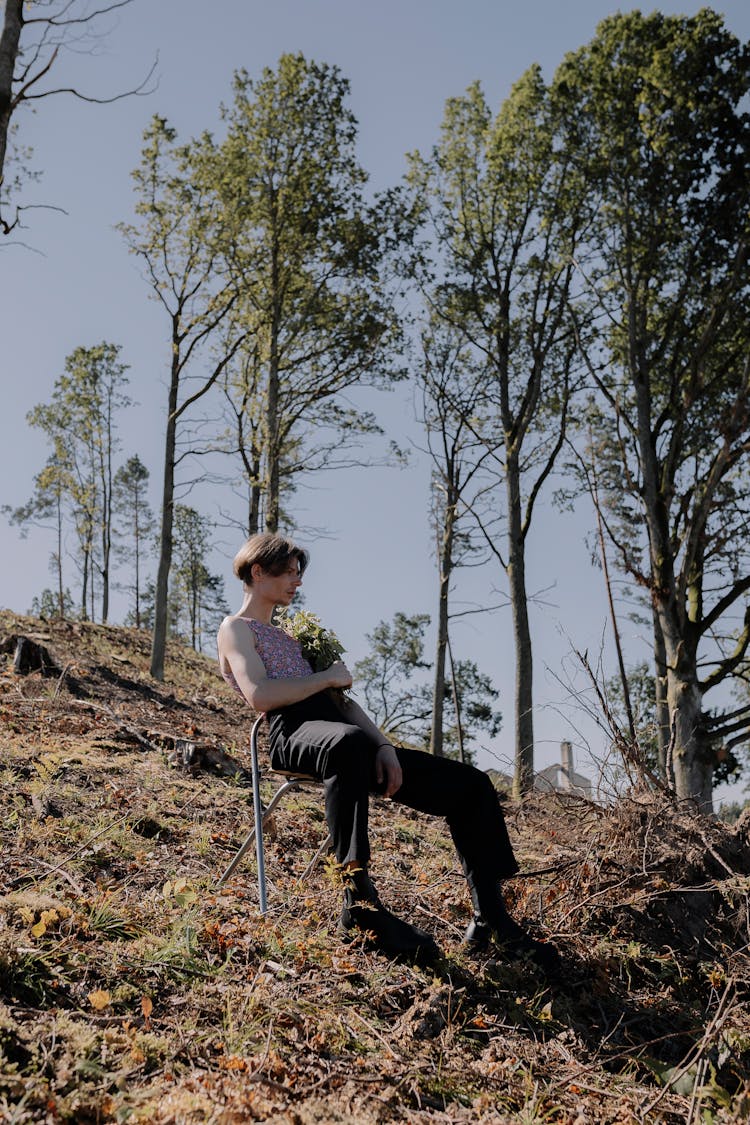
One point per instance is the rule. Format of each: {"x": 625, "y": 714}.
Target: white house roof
{"x": 556, "y": 777}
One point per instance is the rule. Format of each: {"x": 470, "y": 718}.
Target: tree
{"x": 30, "y": 43}
{"x": 131, "y": 505}
{"x": 402, "y": 708}
{"x": 502, "y": 208}
{"x": 397, "y": 653}
{"x": 174, "y": 609}
{"x": 244, "y": 434}
{"x": 88, "y": 396}
{"x": 656, "y": 118}
{"x": 79, "y": 422}
{"x": 642, "y": 692}
{"x": 320, "y": 439}
{"x": 200, "y": 594}
{"x": 453, "y": 388}
{"x": 469, "y": 709}
{"x": 306, "y": 252}
{"x": 185, "y": 270}
{"x": 49, "y": 604}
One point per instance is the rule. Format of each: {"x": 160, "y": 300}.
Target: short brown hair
{"x": 272, "y": 553}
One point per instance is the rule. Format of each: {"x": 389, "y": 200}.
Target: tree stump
{"x": 29, "y": 656}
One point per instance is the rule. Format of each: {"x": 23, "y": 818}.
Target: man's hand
{"x": 388, "y": 770}
{"x": 339, "y": 675}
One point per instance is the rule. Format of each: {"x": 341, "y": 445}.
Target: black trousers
{"x": 313, "y": 738}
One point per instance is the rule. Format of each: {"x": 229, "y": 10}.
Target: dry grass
{"x": 131, "y": 990}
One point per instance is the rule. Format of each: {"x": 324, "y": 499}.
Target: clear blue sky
{"x": 73, "y": 283}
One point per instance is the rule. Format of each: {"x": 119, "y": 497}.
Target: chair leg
{"x": 316, "y": 858}
{"x": 260, "y": 816}
{"x": 266, "y": 811}
{"x": 243, "y": 849}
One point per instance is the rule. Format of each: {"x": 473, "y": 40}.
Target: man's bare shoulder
{"x": 236, "y": 627}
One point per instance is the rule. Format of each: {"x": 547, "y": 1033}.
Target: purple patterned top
{"x": 281, "y": 654}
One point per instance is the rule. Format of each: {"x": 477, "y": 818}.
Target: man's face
{"x": 282, "y": 587}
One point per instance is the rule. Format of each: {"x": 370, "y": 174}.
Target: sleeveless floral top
{"x": 281, "y": 654}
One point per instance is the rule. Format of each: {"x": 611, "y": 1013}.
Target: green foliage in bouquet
{"x": 320, "y": 647}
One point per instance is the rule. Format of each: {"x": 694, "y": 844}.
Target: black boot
{"x": 492, "y": 922}
{"x": 363, "y": 912}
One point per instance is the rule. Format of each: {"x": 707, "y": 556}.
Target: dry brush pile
{"x": 131, "y": 989}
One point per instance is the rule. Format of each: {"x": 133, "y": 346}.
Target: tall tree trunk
{"x": 107, "y": 511}
{"x": 105, "y": 586}
{"x": 456, "y": 703}
{"x": 251, "y": 463}
{"x": 691, "y": 758}
{"x": 253, "y": 523}
{"x": 85, "y": 587}
{"x": 58, "y": 560}
{"x": 193, "y": 606}
{"x": 445, "y": 565}
{"x": 9, "y": 40}
{"x": 272, "y": 403}
{"x": 661, "y": 703}
{"x": 445, "y": 569}
{"x": 523, "y": 775}
{"x": 611, "y": 602}
{"x": 137, "y": 529}
{"x": 105, "y": 548}
{"x": 161, "y": 608}
{"x": 690, "y": 761}
{"x": 272, "y": 422}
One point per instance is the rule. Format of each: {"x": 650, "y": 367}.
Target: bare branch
{"x": 737, "y": 741}
{"x": 22, "y": 95}
{"x": 734, "y": 593}
{"x": 52, "y": 21}
{"x": 727, "y": 666}
{"x": 717, "y": 720}
{"x": 138, "y": 91}
{"x": 731, "y": 728}
{"x": 479, "y": 609}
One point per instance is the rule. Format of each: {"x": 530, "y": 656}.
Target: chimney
{"x": 566, "y": 761}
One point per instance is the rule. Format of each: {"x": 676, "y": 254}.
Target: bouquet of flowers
{"x": 320, "y": 647}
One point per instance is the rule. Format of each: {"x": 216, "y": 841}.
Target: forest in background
{"x": 575, "y": 266}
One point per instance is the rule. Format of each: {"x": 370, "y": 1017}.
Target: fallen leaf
{"x": 99, "y": 999}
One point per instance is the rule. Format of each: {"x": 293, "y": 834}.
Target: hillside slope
{"x": 132, "y": 990}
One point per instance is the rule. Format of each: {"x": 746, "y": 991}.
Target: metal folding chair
{"x": 261, "y": 813}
